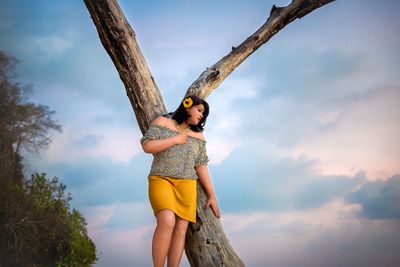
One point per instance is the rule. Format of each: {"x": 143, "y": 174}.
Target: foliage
{"x": 24, "y": 126}
{"x": 37, "y": 227}
{"x": 22, "y": 123}
{"x": 81, "y": 250}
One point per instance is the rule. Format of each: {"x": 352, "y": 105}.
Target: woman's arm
{"x": 159, "y": 145}
{"x": 205, "y": 181}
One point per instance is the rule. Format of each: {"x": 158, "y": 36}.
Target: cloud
{"x": 101, "y": 181}
{"x": 223, "y": 128}
{"x": 379, "y": 199}
{"x": 323, "y": 190}
{"x": 118, "y": 216}
{"x": 362, "y": 134}
{"x": 122, "y": 232}
{"x": 89, "y": 141}
{"x": 268, "y": 183}
{"x": 44, "y": 49}
{"x": 120, "y": 144}
{"x": 334, "y": 104}
{"x": 125, "y": 248}
{"x": 307, "y": 73}
{"x": 121, "y": 247}
{"x": 331, "y": 235}
{"x": 91, "y": 128}
{"x": 52, "y": 45}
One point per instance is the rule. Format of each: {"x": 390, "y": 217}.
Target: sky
{"x": 303, "y": 137}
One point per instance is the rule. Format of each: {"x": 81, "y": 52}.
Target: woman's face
{"x": 195, "y": 114}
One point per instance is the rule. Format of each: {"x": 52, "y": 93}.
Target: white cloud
{"x": 97, "y": 217}
{"x": 50, "y": 46}
{"x": 128, "y": 239}
{"x": 90, "y": 128}
{"x": 330, "y": 235}
{"x": 108, "y": 217}
{"x": 363, "y": 135}
{"x": 225, "y": 120}
{"x": 333, "y": 214}
{"x": 119, "y": 143}
{"x": 53, "y": 45}
{"x": 125, "y": 247}
{"x": 219, "y": 148}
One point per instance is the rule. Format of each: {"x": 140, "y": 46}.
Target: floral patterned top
{"x": 178, "y": 161}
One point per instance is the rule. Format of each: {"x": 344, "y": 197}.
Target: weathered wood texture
{"x": 206, "y": 242}
{"x": 279, "y": 18}
{"x": 119, "y": 41}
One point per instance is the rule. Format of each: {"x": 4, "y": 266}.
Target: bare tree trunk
{"x": 206, "y": 242}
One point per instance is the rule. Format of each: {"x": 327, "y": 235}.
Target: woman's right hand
{"x": 212, "y": 202}
{"x": 181, "y": 139}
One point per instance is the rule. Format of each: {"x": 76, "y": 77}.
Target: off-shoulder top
{"x": 178, "y": 161}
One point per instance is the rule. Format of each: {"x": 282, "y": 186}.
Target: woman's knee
{"x": 166, "y": 219}
{"x": 181, "y": 226}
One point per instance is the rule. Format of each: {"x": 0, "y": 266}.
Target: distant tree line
{"x": 37, "y": 225}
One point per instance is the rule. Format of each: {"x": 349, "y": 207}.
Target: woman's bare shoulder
{"x": 162, "y": 121}
{"x": 199, "y": 135}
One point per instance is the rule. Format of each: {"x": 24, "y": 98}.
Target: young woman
{"x": 180, "y": 159}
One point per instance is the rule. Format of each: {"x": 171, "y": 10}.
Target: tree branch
{"x": 119, "y": 40}
{"x": 206, "y": 243}
{"x": 212, "y": 77}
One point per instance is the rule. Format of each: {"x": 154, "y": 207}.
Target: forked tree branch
{"x": 206, "y": 242}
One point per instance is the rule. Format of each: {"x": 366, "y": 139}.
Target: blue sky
{"x": 302, "y": 137}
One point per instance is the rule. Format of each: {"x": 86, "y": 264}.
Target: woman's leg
{"x": 162, "y": 236}
{"x": 177, "y": 243}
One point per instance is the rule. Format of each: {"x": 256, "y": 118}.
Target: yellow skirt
{"x": 178, "y": 195}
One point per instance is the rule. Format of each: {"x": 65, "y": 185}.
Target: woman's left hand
{"x": 212, "y": 202}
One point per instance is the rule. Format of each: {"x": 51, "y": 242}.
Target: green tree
{"x": 23, "y": 125}
{"x": 37, "y": 227}
{"x": 81, "y": 250}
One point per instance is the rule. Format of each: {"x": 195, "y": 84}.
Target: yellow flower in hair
{"x": 188, "y": 102}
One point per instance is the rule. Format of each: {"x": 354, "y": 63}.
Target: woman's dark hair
{"x": 181, "y": 115}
